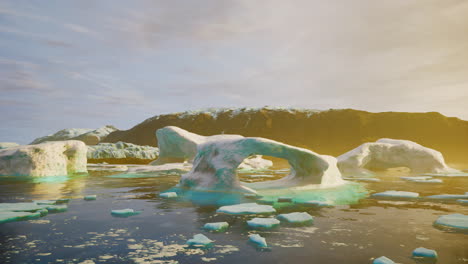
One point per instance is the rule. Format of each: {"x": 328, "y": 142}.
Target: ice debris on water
{"x": 6, "y": 216}
{"x": 424, "y": 253}
{"x": 199, "y": 240}
{"x": 448, "y": 196}
{"x": 258, "y": 240}
{"x": 422, "y": 179}
{"x": 396, "y": 194}
{"x": 216, "y": 227}
{"x": 90, "y": 197}
{"x": 383, "y": 260}
{"x": 246, "y": 208}
{"x": 297, "y": 218}
{"x": 316, "y": 203}
{"x": 168, "y": 195}
{"x": 455, "y": 221}
{"x": 263, "y": 223}
{"x": 124, "y": 212}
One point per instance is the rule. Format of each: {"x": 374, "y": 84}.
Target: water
{"x": 353, "y": 233}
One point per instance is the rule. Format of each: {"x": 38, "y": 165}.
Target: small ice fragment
{"x": 457, "y": 221}
{"x": 448, "y": 196}
{"x": 124, "y": 212}
{"x": 45, "y": 202}
{"x": 6, "y": 217}
{"x": 284, "y": 200}
{"x": 168, "y": 195}
{"x": 462, "y": 201}
{"x": 422, "y": 179}
{"x": 395, "y": 194}
{"x": 199, "y": 240}
{"x": 366, "y": 179}
{"x": 383, "y": 260}
{"x": 246, "y": 208}
{"x": 298, "y": 218}
{"x": 424, "y": 253}
{"x": 258, "y": 240}
{"x": 62, "y": 200}
{"x": 263, "y": 223}
{"x": 57, "y": 208}
{"x": 217, "y": 227}
{"x": 90, "y": 197}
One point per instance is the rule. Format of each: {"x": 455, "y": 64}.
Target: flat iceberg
{"x": 263, "y": 223}
{"x": 298, "y": 218}
{"x": 258, "y": 240}
{"x": 424, "y": 253}
{"x": 58, "y": 158}
{"x": 168, "y": 195}
{"x": 124, "y": 212}
{"x": 6, "y": 216}
{"x": 455, "y": 221}
{"x": 199, "y": 240}
{"x": 395, "y": 194}
{"x": 216, "y": 227}
{"x": 448, "y": 196}
{"x": 390, "y": 153}
{"x": 246, "y": 208}
{"x": 383, "y": 260}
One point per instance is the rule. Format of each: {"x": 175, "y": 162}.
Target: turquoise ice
{"x": 200, "y": 240}
{"x": 124, "y": 212}
{"x": 455, "y": 221}
{"x": 216, "y": 227}
{"x": 424, "y": 253}
{"x": 383, "y": 260}
{"x": 258, "y": 240}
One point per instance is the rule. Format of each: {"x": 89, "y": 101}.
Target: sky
{"x": 86, "y": 64}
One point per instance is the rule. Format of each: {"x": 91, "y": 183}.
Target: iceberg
{"x": 448, "y": 196}
{"x": 455, "y": 221}
{"x": 246, "y": 208}
{"x": 199, "y": 240}
{"x": 258, "y": 241}
{"x": 58, "y": 158}
{"x": 383, "y": 260}
{"x": 122, "y": 153}
{"x": 395, "y": 194}
{"x": 124, "y": 212}
{"x": 216, "y": 159}
{"x": 424, "y": 253}
{"x": 390, "y": 153}
{"x": 216, "y": 227}
{"x": 168, "y": 195}
{"x": 263, "y": 223}
{"x": 298, "y": 218}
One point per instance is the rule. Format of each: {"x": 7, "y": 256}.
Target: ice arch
{"x": 390, "y": 153}
{"x": 216, "y": 161}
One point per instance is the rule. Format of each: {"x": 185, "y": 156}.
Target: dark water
{"x": 356, "y": 233}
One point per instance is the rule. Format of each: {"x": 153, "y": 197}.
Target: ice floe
{"x": 448, "y": 196}
{"x": 396, "y": 194}
{"x": 455, "y": 221}
{"x": 200, "y": 240}
{"x": 424, "y": 253}
{"x": 246, "y": 208}
{"x": 124, "y": 212}
{"x": 216, "y": 227}
{"x": 90, "y": 197}
{"x": 263, "y": 223}
{"x": 168, "y": 195}
{"x": 297, "y": 218}
{"x": 258, "y": 240}
{"x": 422, "y": 179}
{"x": 383, "y": 260}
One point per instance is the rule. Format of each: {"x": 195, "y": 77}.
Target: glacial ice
{"x": 456, "y": 221}
{"x": 424, "y": 253}
{"x": 254, "y": 163}
{"x": 246, "y": 208}
{"x": 448, "y": 196}
{"x": 10, "y": 212}
{"x": 124, "y": 212}
{"x": 58, "y": 158}
{"x": 263, "y": 223}
{"x": 168, "y": 195}
{"x": 216, "y": 159}
{"x": 216, "y": 227}
{"x": 258, "y": 240}
{"x": 121, "y": 151}
{"x": 389, "y": 153}
{"x": 383, "y": 260}
{"x": 395, "y": 194}
{"x": 297, "y": 218}
{"x": 199, "y": 240}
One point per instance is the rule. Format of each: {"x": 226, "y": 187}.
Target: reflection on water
{"x": 352, "y": 233}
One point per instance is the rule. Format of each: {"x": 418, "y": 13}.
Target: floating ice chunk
{"x": 395, "y": 194}
{"x": 383, "y": 260}
{"x": 457, "y": 221}
{"x": 62, "y": 200}
{"x": 90, "y": 197}
{"x": 448, "y": 196}
{"x": 47, "y": 202}
{"x": 263, "y": 223}
{"x": 124, "y": 212}
{"x": 390, "y": 153}
{"x": 463, "y": 201}
{"x": 424, "y": 253}
{"x": 258, "y": 240}
{"x": 246, "y": 208}
{"x": 216, "y": 227}
{"x": 199, "y": 240}
{"x": 284, "y": 199}
{"x": 6, "y": 216}
{"x": 168, "y": 195}
{"x": 298, "y": 218}
{"x": 21, "y": 207}
{"x": 316, "y": 203}
{"x": 362, "y": 179}
{"x": 56, "y": 208}
{"x": 454, "y": 174}
{"x": 424, "y": 179}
